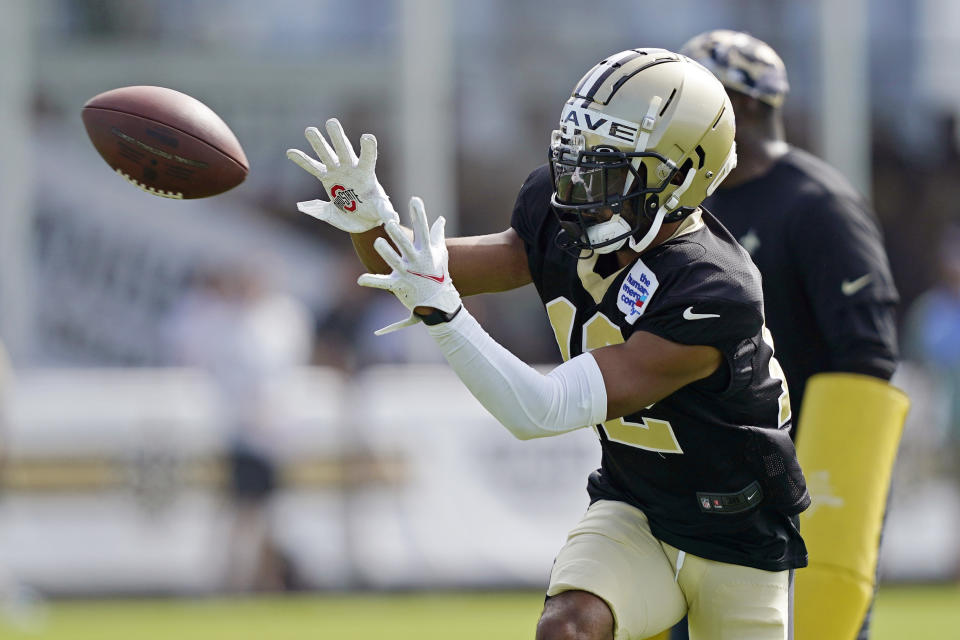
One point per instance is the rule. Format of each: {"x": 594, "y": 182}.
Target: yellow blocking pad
{"x": 849, "y": 432}
{"x": 663, "y": 635}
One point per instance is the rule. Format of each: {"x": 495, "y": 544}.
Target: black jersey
{"x": 828, "y": 292}
{"x": 712, "y": 465}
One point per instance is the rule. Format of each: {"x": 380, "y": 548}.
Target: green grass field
{"x": 917, "y": 613}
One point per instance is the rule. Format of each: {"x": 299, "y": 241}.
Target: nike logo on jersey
{"x": 439, "y": 278}
{"x": 850, "y": 287}
{"x": 688, "y": 314}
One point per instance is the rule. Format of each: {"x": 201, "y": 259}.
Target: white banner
{"x": 116, "y": 481}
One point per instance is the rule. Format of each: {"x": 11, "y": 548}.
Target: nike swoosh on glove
{"x": 420, "y": 277}
{"x": 357, "y": 201}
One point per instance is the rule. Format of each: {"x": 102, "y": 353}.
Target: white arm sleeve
{"x": 528, "y": 403}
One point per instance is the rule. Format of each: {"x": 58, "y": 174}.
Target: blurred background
{"x": 196, "y": 404}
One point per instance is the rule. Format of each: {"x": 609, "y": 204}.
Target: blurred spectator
{"x": 345, "y": 332}
{"x": 933, "y": 333}
{"x": 245, "y": 335}
{"x": 345, "y": 329}
{"x": 916, "y": 187}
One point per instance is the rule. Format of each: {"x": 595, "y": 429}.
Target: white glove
{"x": 357, "y": 201}
{"x": 420, "y": 276}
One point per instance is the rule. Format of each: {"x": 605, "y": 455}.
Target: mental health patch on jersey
{"x": 636, "y": 291}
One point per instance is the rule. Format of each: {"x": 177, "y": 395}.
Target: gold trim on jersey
{"x": 693, "y": 222}
{"x": 597, "y": 285}
{"x": 594, "y": 284}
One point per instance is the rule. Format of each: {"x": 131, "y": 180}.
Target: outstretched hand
{"x": 420, "y": 276}
{"x": 357, "y": 201}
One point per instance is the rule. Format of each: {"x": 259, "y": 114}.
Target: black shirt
{"x": 712, "y": 465}
{"x": 828, "y": 292}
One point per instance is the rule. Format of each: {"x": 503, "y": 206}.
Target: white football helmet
{"x": 645, "y": 137}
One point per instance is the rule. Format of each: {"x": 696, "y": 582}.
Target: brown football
{"x": 165, "y": 142}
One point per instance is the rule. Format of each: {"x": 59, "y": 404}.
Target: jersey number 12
{"x": 650, "y": 434}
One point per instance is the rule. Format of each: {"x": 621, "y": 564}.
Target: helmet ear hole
{"x": 681, "y": 173}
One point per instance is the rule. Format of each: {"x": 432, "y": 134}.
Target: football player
{"x": 830, "y": 301}
{"x": 658, "y": 314}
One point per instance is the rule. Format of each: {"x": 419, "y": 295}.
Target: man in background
{"x": 234, "y": 325}
{"x": 830, "y": 301}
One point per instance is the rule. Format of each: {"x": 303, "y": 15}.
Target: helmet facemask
{"x": 601, "y": 195}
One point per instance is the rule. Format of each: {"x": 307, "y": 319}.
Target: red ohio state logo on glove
{"x": 345, "y": 199}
